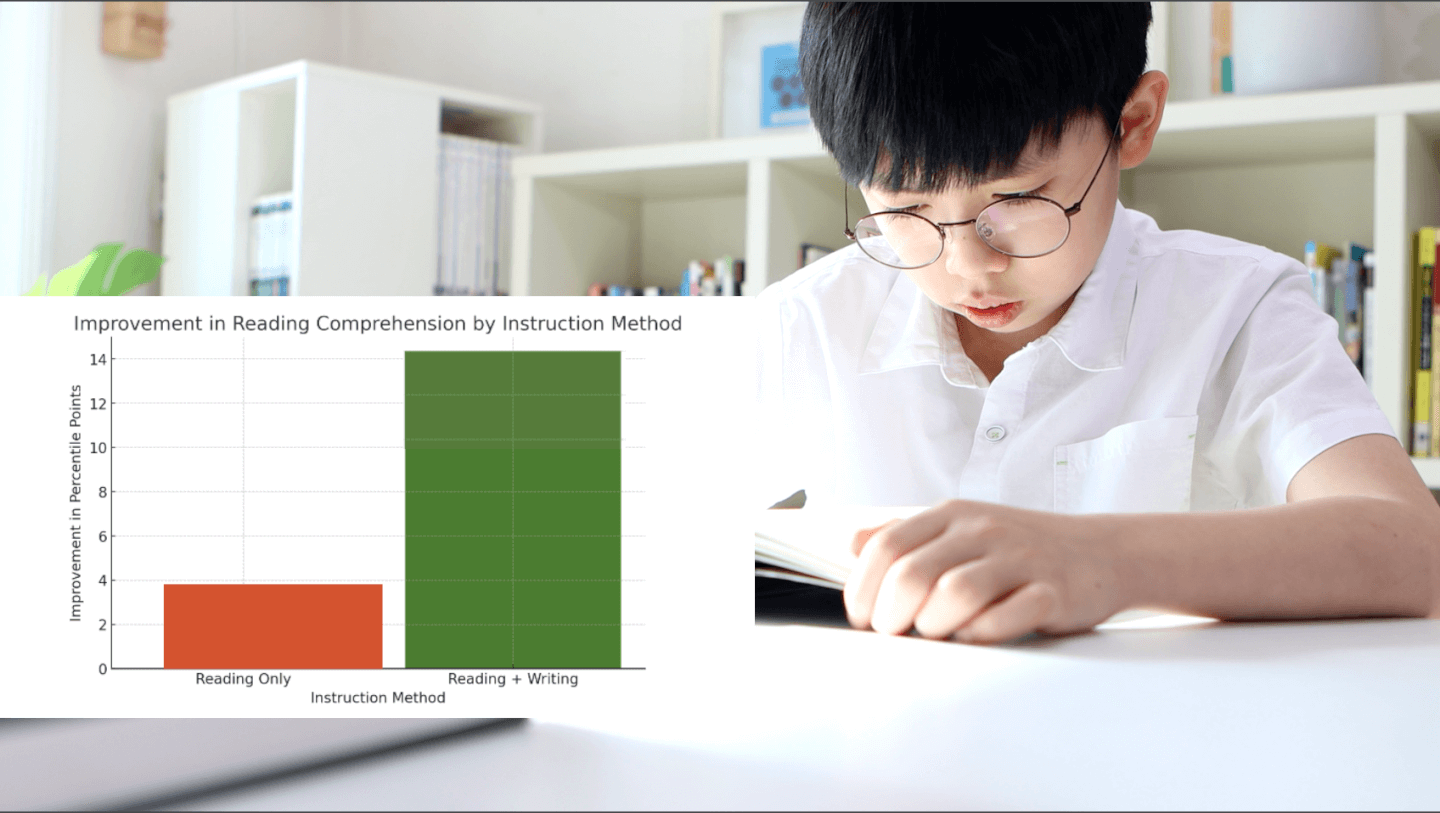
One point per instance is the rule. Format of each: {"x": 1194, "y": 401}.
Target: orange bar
{"x": 272, "y": 626}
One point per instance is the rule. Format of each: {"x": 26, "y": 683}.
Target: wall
{"x": 644, "y": 79}
{"x": 1411, "y": 34}
{"x": 607, "y": 74}
{"x": 111, "y": 111}
{"x": 28, "y": 36}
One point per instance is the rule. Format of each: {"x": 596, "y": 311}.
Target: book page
{"x": 816, "y": 541}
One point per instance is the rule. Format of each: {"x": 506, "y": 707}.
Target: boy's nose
{"x": 966, "y": 255}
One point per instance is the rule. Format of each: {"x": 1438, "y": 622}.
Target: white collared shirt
{"x": 1191, "y": 372}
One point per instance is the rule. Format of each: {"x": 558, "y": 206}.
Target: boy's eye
{"x": 1039, "y": 191}
{"x": 1023, "y": 199}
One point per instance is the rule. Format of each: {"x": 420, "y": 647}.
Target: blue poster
{"x": 782, "y": 99}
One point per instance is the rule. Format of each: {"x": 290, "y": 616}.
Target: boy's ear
{"x": 1140, "y": 119}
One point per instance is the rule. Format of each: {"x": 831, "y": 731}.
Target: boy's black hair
{"x": 952, "y": 93}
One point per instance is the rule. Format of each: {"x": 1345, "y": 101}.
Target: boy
{"x": 1060, "y": 379}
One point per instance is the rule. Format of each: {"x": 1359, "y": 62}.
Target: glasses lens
{"x": 1023, "y": 227}
{"x": 899, "y": 239}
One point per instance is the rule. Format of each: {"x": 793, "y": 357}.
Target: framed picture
{"x": 755, "y": 72}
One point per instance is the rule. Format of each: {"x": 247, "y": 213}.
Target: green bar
{"x": 567, "y": 514}
{"x": 448, "y": 469}
{"x": 428, "y": 374}
{"x": 568, "y": 603}
{"x": 560, "y": 647}
{"x": 512, "y": 510}
{"x": 568, "y": 557}
{"x": 567, "y": 469}
{"x": 578, "y": 372}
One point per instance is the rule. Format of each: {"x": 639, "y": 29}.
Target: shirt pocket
{"x": 1136, "y": 467}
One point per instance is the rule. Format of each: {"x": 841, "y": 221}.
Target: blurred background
{"x": 86, "y": 148}
{"x": 541, "y": 148}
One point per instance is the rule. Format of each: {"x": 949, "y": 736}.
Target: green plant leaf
{"x": 85, "y": 277}
{"x": 38, "y": 289}
{"x": 93, "y": 283}
{"x": 136, "y": 268}
{"x": 67, "y": 281}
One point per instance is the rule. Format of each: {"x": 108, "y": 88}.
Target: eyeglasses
{"x": 1022, "y": 226}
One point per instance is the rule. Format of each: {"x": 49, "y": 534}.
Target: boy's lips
{"x": 987, "y": 302}
{"x": 994, "y": 316}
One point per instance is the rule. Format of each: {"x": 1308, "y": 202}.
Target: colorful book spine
{"x": 1352, "y": 317}
{"x": 1222, "y": 68}
{"x": 1368, "y": 323}
{"x": 1423, "y": 313}
{"x": 1434, "y": 343}
{"x": 474, "y": 193}
{"x": 271, "y": 244}
{"x": 1318, "y": 257}
{"x": 1336, "y": 306}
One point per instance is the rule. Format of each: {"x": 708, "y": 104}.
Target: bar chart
{"x": 428, "y": 509}
{"x": 352, "y": 507}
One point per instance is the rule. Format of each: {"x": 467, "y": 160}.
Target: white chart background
{"x": 289, "y": 466}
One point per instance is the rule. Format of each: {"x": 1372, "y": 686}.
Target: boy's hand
{"x": 983, "y": 573}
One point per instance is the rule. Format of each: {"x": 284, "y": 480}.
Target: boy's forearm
{"x": 1338, "y": 556}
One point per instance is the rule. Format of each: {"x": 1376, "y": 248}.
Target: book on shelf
{"x": 724, "y": 277}
{"x": 474, "y": 189}
{"x": 1343, "y": 283}
{"x": 809, "y": 253}
{"x": 271, "y": 230}
{"x": 1318, "y": 257}
{"x": 1368, "y": 322}
{"x": 729, "y": 273}
{"x": 1222, "y": 66}
{"x": 1421, "y": 325}
{"x": 1349, "y": 298}
{"x": 691, "y": 276}
{"x": 1429, "y": 340}
{"x": 1434, "y": 343}
{"x": 601, "y": 289}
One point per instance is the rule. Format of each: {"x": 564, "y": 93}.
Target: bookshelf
{"x": 637, "y": 215}
{"x": 358, "y": 150}
{"x": 1332, "y": 165}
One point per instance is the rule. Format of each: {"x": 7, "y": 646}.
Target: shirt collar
{"x": 912, "y": 330}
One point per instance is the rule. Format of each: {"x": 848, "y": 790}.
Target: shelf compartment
{"x": 633, "y": 227}
{"x": 357, "y": 150}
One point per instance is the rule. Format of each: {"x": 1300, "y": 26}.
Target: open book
{"x": 812, "y": 545}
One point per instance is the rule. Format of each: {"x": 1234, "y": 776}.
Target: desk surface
{"x": 1329, "y": 714}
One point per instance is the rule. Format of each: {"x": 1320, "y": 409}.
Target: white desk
{"x": 1332, "y": 714}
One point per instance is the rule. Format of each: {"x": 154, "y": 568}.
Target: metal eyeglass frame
{"x": 1069, "y": 212}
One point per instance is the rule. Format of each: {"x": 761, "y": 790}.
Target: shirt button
{"x": 994, "y": 433}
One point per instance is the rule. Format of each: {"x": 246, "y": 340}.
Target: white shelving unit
{"x": 1353, "y": 164}
{"x": 359, "y": 152}
{"x": 637, "y": 215}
